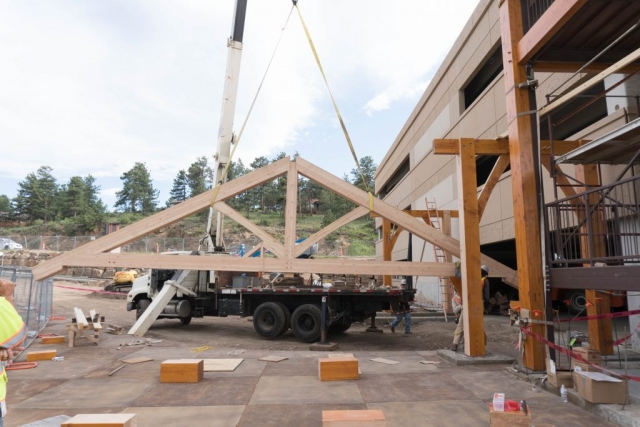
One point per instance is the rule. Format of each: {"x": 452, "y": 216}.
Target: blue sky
{"x": 93, "y": 87}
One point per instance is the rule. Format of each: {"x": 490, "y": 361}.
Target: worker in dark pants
{"x": 484, "y": 273}
{"x": 403, "y": 312}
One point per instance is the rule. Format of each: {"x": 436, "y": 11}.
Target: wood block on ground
{"x": 181, "y": 371}
{"x": 275, "y": 359}
{"x": 221, "y": 365}
{"x": 41, "y": 355}
{"x": 135, "y": 360}
{"x": 338, "y": 368}
{"x": 354, "y": 418}
{"x": 510, "y": 418}
{"x": 101, "y": 420}
{"x": 385, "y": 361}
{"x": 52, "y": 340}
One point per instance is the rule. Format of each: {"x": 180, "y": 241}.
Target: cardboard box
{"x": 596, "y": 387}
{"x": 182, "y": 371}
{"x": 510, "y": 418}
{"x": 557, "y": 377}
{"x": 588, "y": 354}
{"x": 583, "y": 367}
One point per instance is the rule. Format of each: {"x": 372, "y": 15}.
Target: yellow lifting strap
{"x": 335, "y": 106}
{"x": 216, "y": 190}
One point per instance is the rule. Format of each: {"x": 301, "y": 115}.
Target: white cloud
{"x": 93, "y": 87}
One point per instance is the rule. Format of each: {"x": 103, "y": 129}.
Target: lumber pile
{"x": 81, "y": 324}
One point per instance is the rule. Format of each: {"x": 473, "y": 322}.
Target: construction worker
{"x": 403, "y": 312}
{"x": 13, "y": 331}
{"x": 484, "y": 273}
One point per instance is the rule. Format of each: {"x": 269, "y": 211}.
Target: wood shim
{"x": 275, "y": 359}
{"x": 137, "y": 360}
{"x": 385, "y": 361}
{"x": 221, "y": 365}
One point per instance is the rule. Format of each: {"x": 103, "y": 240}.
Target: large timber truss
{"x": 96, "y": 254}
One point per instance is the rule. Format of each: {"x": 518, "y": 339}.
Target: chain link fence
{"x": 326, "y": 248}
{"x": 33, "y": 299}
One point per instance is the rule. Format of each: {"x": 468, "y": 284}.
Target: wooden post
{"x": 470, "y": 250}
{"x": 290, "y": 219}
{"x": 523, "y": 177}
{"x": 600, "y": 330}
{"x": 386, "y": 247}
{"x": 446, "y": 230}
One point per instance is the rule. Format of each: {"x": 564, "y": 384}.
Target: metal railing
{"x": 601, "y": 225}
{"x": 532, "y": 10}
{"x": 33, "y": 299}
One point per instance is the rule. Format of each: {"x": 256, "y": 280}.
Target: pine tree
{"x": 37, "y": 195}
{"x": 138, "y": 193}
{"x": 199, "y": 176}
{"x": 180, "y": 188}
{"x": 368, "y": 167}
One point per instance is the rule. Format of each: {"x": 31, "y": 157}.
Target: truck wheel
{"x": 269, "y": 320}
{"x": 185, "y": 320}
{"x": 143, "y": 304}
{"x": 305, "y": 322}
{"x": 577, "y": 302}
{"x": 287, "y": 320}
{"x": 340, "y": 328}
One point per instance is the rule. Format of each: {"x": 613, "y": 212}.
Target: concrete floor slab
{"x": 484, "y": 383}
{"x": 21, "y": 390}
{"x": 187, "y": 416}
{"x": 90, "y": 393}
{"x": 304, "y": 389}
{"x": 459, "y": 358}
{"x": 208, "y": 392}
{"x": 549, "y": 409}
{"x": 453, "y": 413}
{"x": 406, "y": 365}
{"x": 411, "y": 388}
{"x": 65, "y": 370}
{"x": 292, "y": 367}
{"x": 309, "y": 415}
{"x": 17, "y": 417}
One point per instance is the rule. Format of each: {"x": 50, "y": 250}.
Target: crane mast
{"x": 225, "y": 132}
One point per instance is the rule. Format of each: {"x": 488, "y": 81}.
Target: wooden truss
{"x": 96, "y": 253}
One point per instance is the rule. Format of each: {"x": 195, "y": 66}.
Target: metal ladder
{"x": 439, "y": 255}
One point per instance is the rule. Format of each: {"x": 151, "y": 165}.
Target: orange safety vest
{"x": 13, "y": 331}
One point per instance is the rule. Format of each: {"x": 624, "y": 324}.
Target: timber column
{"x": 523, "y": 178}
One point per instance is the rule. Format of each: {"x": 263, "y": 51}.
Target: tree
{"x": 37, "y": 194}
{"x": 6, "y": 208}
{"x": 368, "y": 170}
{"x": 138, "y": 193}
{"x": 260, "y": 192}
{"x": 79, "y": 201}
{"x": 199, "y": 176}
{"x": 178, "y": 192}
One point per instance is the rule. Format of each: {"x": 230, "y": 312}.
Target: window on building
{"x": 484, "y": 75}
{"x": 402, "y": 171}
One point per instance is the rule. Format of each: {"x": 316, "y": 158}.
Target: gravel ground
{"x": 235, "y": 332}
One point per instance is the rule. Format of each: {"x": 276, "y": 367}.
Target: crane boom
{"x": 225, "y": 132}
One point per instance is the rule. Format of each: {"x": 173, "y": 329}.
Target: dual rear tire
{"x": 272, "y": 319}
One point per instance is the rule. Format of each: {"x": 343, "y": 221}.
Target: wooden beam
{"x": 231, "y": 263}
{"x": 269, "y": 241}
{"x": 546, "y": 27}
{"x": 358, "y": 212}
{"x": 572, "y": 67}
{"x": 410, "y": 224}
{"x": 498, "y": 147}
{"x": 395, "y": 235}
{"x": 600, "y": 330}
{"x": 447, "y": 294}
{"x": 291, "y": 208}
{"x": 562, "y": 180}
{"x": 469, "y": 223}
{"x": 163, "y": 218}
{"x": 615, "y": 68}
{"x": 422, "y": 213}
{"x": 523, "y": 178}
{"x": 253, "y": 250}
{"x": 492, "y": 181}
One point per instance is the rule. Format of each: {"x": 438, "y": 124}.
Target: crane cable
{"x": 335, "y": 106}
{"x": 216, "y": 190}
